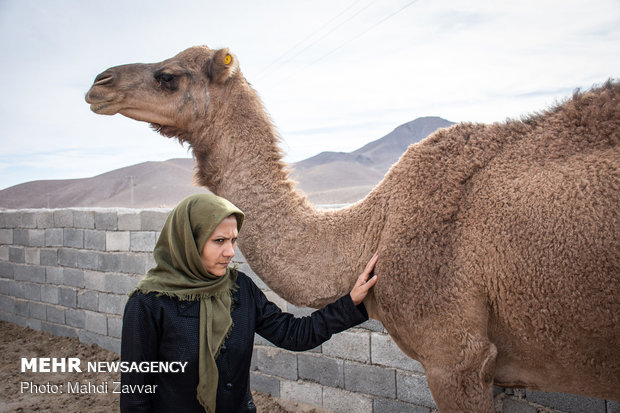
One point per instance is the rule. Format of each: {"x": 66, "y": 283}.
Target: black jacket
{"x": 166, "y": 329}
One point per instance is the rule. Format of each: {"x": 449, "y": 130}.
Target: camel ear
{"x": 222, "y": 66}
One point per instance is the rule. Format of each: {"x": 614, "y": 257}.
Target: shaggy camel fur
{"x": 499, "y": 244}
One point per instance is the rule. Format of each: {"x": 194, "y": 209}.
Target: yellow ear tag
{"x": 227, "y": 59}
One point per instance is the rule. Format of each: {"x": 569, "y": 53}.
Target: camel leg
{"x": 466, "y": 383}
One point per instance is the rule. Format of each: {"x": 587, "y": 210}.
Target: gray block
{"x": 32, "y": 291}
{"x": 153, "y": 220}
{"x": 53, "y": 237}
{"x": 321, "y": 369}
{"x": 73, "y": 277}
{"x": 38, "y": 311}
{"x": 7, "y": 304}
{"x": 106, "y": 220}
{"x": 119, "y": 283}
{"x": 88, "y": 260}
{"x": 129, "y": 221}
{"x": 109, "y": 262}
{"x": 5, "y": 286}
{"x": 73, "y": 238}
{"x": 117, "y": 240}
{"x": 115, "y": 325}
{"x": 351, "y": 344}
{"x": 63, "y": 218}
{"x": 75, "y": 318}
{"x": 368, "y": 379}
{"x": 391, "y": 406}
{"x": 133, "y": 263}
{"x": 4, "y": 252}
{"x": 67, "y": 257}
{"x": 385, "y": 352}
{"x": 88, "y": 300}
{"x": 84, "y": 219}
{"x": 613, "y": 407}
{"x": 58, "y": 330}
{"x": 48, "y": 256}
{"x": 94, "y": 280}
{"x": 111, "y": 303}
{"x": 34, "y": 324}
{"x": 108, "y": 343}
{"x": 276, "y": 362}
{"x": 338, "y": 400}
{"x": 33, "y": 256}
{"x": 7, "y": 270}
{"x": 510, "y": 405}
{"x": 29, "y": 273}
{"x": 6, "y": 236}
{"x": 569, "y": 403}
{"x": 96, "y": 322}
{"x": 50, "y": 294}
{"x": 67, "y": 297}
{"x": 143, "y": 241}
{"x": 55, "y": 314}
{"x": 10, "y": 219}
{"x": 413, "y": 388}
{"x": 45, "y": 219}
{"x": 16, "y": 289}
{"x": 17, "y": 254}
{"x": 29, "y": 220}
{"x": 54, "y": 275}
{"x": 265, "y": 384}
{"x": 94, "y": 240}
{"x": 20, "y": 237}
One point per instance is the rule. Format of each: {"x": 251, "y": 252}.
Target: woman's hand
{"x": 363, "y": 284}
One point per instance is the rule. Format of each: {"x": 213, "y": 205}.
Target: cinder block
{"x": 48, "y": 256}
{"x": 32, "y": 256}
{"x": 363, "y": 378}
{"x": 29, "y": 273}
{"x": 510, "y": 405}
{"x": 301, "y": 392}
{"x": 7, "y": 304}
{"x": 265, "y": 384}
{"x": 88, "y": 300}
{"x": 109, "y": 262}
{"x": 67, "y": 297}
{"x": 45, "y": 219}
{"x": 120, "y": 283}
{"x": 88, "y": 260}
{"x": 73, "y": 277}
{"x": 32, "y": 291}
{"x": 58, "y": 330}
{"x": 276, "y": 362}
{"x": 16, "y": 289}
{"x": 390, "y": 406}
{"x": 7, "y": 270}
{"x": 108, "y": 343}
{"x": 17, "y": 254}
{"x": 5, "y": 286}
{"x": 153, "y": 220}
{"x": 10, "y": 219}
{"x": 106, "y": 220}
{"x": 84, "y": 219}
{"x": 94, "y": 240}
{"x": 75, "y": 318}
{"x": 115, "y": 326}
{"x": 337, "y": 400}
{"x": 38, "y": 311}
{"x": 569, "y": 403}
{"x": 117, "y": 240}
{"x": 133, "y": 263}
{"x": 143, "y": 241}
{"x": 20, "y": 236}
{"x": 277, "y": 300}
{"x": 6, "y": 236}
{"x": 73, "y": 238}
{"x": 94, "y": 280}
{"x": 28, "y": 219}
{"x": 53, "y": 237}
{"x": 321, "y": 369}
{"x": 351, "y": 345}
{"x": 63, "y": 218}
{"x": 129, "y": 221}
{"x": 54, "y": 275}
{"x": 4, "y": 252}
{"x": 386, "y": 353}
{"x": 50, "y": 294}
{"x": 111, "y": 303}
{"x": 96, "y": 322}
{"x": 55, "y": 314}
{"x": 67, "y": 257}
{"x": 34, "y": 324}
{"x": 413, "y": 388}
{"x": 613, "y": 406}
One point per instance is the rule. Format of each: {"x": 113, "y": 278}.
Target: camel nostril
{"x": 103, "y": 78}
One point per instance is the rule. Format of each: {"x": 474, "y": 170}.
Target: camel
{"x": 499, "y": 243}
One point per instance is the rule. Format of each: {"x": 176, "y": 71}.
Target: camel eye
{"x": 165, "y": 77}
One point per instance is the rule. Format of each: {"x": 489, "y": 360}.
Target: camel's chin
{"x": 103, "y": 108}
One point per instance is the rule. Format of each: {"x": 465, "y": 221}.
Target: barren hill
{"x": 327, "y": 178}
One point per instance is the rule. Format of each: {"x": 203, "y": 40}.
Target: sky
{"x": 333, "y": 74}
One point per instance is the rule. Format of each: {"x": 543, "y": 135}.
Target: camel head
{"x": 174, "y": 96}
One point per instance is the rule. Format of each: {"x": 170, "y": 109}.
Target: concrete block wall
{"x": 69, "y": 271}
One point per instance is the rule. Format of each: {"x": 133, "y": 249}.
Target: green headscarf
{"x": 180, "y": 273}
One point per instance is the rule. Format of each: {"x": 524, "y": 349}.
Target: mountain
{"x": 327, "y": 178}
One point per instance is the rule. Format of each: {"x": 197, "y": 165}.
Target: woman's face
{"x": 220, "y": 247}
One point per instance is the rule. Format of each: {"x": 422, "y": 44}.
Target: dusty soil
{"x": 31, "y": 392}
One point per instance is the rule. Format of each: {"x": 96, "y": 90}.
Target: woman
{"x": 193, "y": 308}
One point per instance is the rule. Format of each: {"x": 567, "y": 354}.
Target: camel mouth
{"x": 100, "y": 108}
